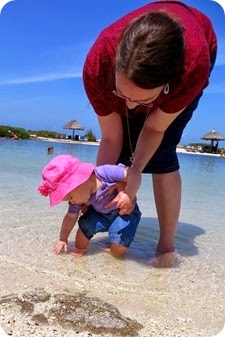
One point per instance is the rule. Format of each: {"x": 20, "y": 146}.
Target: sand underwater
{"x": 45, "y": 295}
{"x": 186, "y": 300}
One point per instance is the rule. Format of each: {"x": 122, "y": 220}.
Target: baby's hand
{"x": 61, "y": 245}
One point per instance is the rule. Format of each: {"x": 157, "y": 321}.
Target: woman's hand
{"x": 126, "y": 197}
{"x": 123, "y": 202}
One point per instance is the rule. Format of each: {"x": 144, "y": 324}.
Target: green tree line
{"x": 7, "y": 131}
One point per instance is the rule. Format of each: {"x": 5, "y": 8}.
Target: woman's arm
{"x": 151, "y": 136}
{"x": 112, "y": 139}
{"x": 148, "y": 142}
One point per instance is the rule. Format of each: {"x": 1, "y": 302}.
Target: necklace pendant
{"x": 132, "y": 158}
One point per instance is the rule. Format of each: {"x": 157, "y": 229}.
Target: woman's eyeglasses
{"x": 130, "y": 100}
{"x": 149, "y": 105}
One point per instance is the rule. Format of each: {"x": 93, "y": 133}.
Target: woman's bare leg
{"x": 167, "y": 192}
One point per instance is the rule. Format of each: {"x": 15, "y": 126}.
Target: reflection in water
{"x": 209, "y": 164}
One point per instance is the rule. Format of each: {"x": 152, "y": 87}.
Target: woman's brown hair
{"x": 150, "y": 51}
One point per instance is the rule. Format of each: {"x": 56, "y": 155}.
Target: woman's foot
{"x": 164, "y": 260}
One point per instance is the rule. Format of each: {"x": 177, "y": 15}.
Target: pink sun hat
{"x": 61, "y": 175}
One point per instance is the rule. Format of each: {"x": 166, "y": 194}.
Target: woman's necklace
{"x": 129, "y": 137}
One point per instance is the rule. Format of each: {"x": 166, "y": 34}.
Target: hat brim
{"x": 78, "y": 177}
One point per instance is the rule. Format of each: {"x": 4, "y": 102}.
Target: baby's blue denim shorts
{"x": 121, "y": 228}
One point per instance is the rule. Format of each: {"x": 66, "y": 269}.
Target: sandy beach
{"x": 184, "y": 301}
{"x": 67, "y": 141}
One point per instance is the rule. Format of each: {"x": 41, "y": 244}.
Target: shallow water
{"x": 202, "y": 212}
{"x": 189, "y": 296}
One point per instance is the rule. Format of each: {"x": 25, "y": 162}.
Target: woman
{"x": 144, "y": 77}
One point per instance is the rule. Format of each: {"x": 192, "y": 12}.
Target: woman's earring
{"x": 166, "y": 89}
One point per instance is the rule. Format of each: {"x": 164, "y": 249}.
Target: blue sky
{"x": 43, "y": 47}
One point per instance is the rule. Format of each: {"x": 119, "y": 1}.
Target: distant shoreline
{"x": 181, "y": 150}
{"x": 71, "y": 141}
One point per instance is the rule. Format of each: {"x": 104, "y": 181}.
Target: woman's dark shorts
{"x": 165, "y": 159}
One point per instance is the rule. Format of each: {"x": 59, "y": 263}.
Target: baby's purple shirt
{"x": 109, "y": 175}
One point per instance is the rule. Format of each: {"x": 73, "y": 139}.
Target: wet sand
{"x": 184, "y": 301}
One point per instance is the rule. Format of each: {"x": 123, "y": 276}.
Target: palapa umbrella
{"x": 73, "y": 125}
{"x": 213, "y": 136}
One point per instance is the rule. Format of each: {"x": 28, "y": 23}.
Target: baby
{"x": 66, "y": 178}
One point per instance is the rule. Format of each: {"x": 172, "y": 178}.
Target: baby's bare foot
{"x": 105, "y": 249}
{"x": 77, "y": 253}
{"x": 116, "y": 254}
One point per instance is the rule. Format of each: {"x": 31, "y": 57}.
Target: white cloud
{"x": 40, "y": 78}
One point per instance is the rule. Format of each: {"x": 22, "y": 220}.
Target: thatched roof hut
{"x": 73, "y": 125}
{"x": 213, "y": 135}
{"x": 214, "y": 138}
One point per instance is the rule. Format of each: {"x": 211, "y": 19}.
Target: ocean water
{"x": 202, "y": 216}
{"x": 184, "y": 301}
